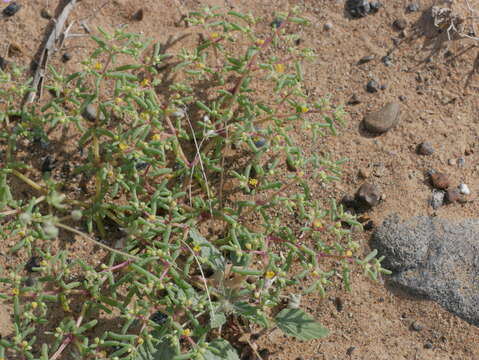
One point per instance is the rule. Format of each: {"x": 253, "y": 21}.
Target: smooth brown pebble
{"x": 368, "y": 195}
{"x": 454, "y": 195}
{"x": 440, "y": 180}
{"x": 381, "y": 121}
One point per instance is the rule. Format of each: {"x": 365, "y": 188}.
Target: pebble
{"x": 138, "y": 15}
{"x": 348, "y": 201}
{"x": 402, "y": 98}
{"x": 363, "y": 173}
{"x": 44, "y": 13}
{"x": 66, "y": 57}
{"x": 384, "y": 119}
{"x": 453, "y": 196}
{"x": 400, "y": 24}
{"x": 368, "y": 195}
{"x": 461, "y": 162}
{"x": 412, "y": 7}
{"x": 328, "y": 26}
{"x": 451, "y": 162}
{"x": 350, "y": 350}
{"x": 372, "y": 86}
{"x": 440, "y": 180}
{"x": 415, "y": 326}
{"x": 11, "y": 9}
{"x": 437, "y": 199}
{"x": 90, "y": 113}
{"x": 428, "y": 345}
{"x": 358, "y": 8}
{"x": 387, "y": 60}
{"x": 464, "y": 189}
{"x": 366, "y": 59}
{"x": 354, "y": 100}
{"x": 425, "y": 148}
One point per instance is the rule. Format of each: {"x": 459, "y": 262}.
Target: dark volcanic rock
{"x": 434, "y": 258}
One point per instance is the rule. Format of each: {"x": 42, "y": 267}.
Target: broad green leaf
{"x": 220, "y": 349}
{"x": 297, "y": 323}
{"x": 208, "y": 250}
{"x": 163, "y": 350}
{"x": 251, "y": 312}
{"x": 217, "y": 320}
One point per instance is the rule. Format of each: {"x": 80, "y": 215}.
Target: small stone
{"x": 138, "y": 15}
{"x": 358, "y": 8}
{"x": 453, "y": 196}
{"x": 437, "y": 199}
{"x": 384, "y": 119}
{"x": 425, "y": 148}
{"x": 348, "y": 202}
{"x": 363, "y": 173}
{"x": 402, "y": 98}
{"x": 374, "y": 6}
{"x": 66, "y": 57}
{"x": 354, "y": 100}
{"x": 90, "y": 113}
{"x": 350, "y": 350}
{"x": 44, "y": 13}
{"x": 339, "y": 303}
{"x": 11, "y": 9}
{"x": 14, "y": 50}
{"x": 428, "y": 345}
{"x": 366, "y": 59}
{"x": 400, "y": 24}
{"x": 440, "y": 180}
{"x": 451, "y": 162}
{"x": 461, "y": 162}
{"x": 412, "y": 7}
{"x": 372, "y": 86}
{"x": 368, "y": 195}
{"x": 464, "y": 189}
{"x": 415, "y": 326}
{"x": 328, "y": 26}
{"x": 387, "y": 61}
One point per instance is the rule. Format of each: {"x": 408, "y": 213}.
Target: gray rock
{"x": 437, "y": 199}
{"x": 368, "y": 195}
{"x": 90, "y": 113}
{"x": 384, "y": 119}
{"x": 425, "y": 148}
{"x": 434, "y": 258}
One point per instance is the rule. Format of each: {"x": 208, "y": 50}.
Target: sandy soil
{"x": 440, "y": 105}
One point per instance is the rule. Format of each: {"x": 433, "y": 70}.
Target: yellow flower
{"x": 253, "y": 182}
{"x": 248, "y": 246}
{"x": 186, "y": 332}
{"x": 119, "y": 100}
{"x": 196, "y": 248}
{"x": 304, "y": 109}
{"x": 34, "y": 305}
{"x": 156, "y": 137}
{"x": 122, "y": 146}
{"x": 145, "y": 116}
{"x": 15, "y": 291}
{"x": 140, "y": 341}
{"x": 215, "y": 35}
{"x": 349, "y": 253}
{"x": 259, "y": 41}
{"x": 151, "y": 217}
{"x": 97, "y": 66}
{"x": 279, "y": 68}
{"x": 317, "y": 224}
{"x": 301, "y": 174}
{"x": 270, "y": 274}
{"x": 145, "y": 82}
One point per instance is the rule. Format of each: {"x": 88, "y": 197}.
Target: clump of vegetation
{"x": 157, "y": 156}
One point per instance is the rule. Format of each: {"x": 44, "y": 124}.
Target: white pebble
{"x": 464, "y": 189}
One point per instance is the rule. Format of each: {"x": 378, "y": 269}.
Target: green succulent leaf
{"x": 297, "y": 323}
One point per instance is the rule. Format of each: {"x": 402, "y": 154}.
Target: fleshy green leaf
{"x": 220, "y": 349}
{"x": 163, "y": 350}
{"x": 208, "y": 250}
{"x": 297, "y": 323}
{"x": 217, "y": 320}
